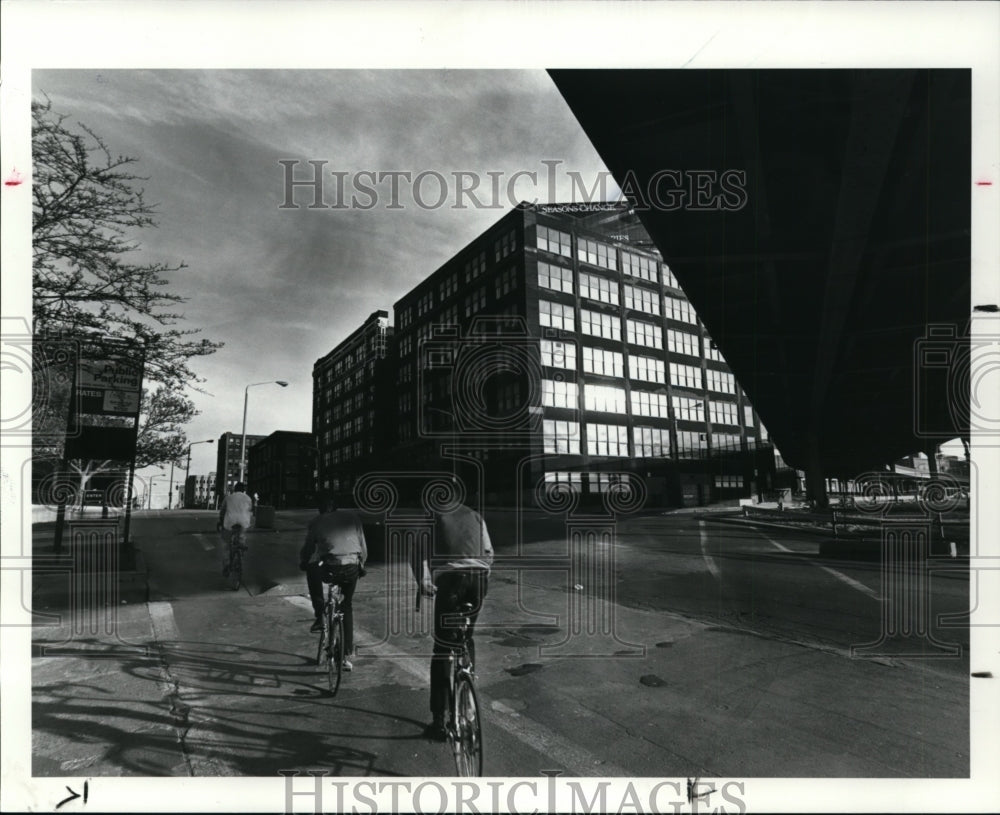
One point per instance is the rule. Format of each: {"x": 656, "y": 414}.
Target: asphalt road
{"x": 671, "y": 646}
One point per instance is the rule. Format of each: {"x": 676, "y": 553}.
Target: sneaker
{"x": 435, "y": 730}
{"x": 347, "y": 665}
{"x": 317, "y": 626}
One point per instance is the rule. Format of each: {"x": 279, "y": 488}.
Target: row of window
{"x": 586, "y": 482}
{"x": 598, "y": 254}
{"x": 612, "y": 440}
{"x": 611, "y": 399}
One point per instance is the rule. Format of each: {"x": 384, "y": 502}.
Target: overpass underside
{"x": 819, "y": 221}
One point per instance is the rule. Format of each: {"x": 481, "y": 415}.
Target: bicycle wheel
{"x": 234, "y": 575}
{"x": 320, "y": 646}
{"x": 467, "y": 739}
{"x": 334, "y": 653}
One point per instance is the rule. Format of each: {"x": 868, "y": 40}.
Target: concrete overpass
{"x": 820, "y": 272}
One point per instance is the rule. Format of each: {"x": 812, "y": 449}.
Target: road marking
{"x": 162, "y": 615}
{"x": 704, "y": 549}
{"x": 577, "y": 761}
{"x": 206, "y": 544}
{"x": 850, "y": 581}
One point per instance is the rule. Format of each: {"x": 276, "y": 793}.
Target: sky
{"x": 280, "y": 286}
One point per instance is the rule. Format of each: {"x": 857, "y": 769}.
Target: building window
{"x": 425, "y": 303}
{"x": 639, "y": 332}
{"x": 449, "y": 317}
{"x": 406, "y": 345}
{"x": 602, "y": 482}
{"x": 509, "y": 398}
{"x": 448, "y": 287}
{"x": 505, "y": 246}
{"x": 554, "y": 241}
{"x": 639, "y": 266}
{"x": 685, "y": 376}
{"x": 687, "y": 409}
{"x": 639, "y": 299}
{"x": 645, "y": 403}
{"x": 688, "y": 440}
{"x": 555, "y": 315}
{"x": 475, "y": 302}
{"x": 726, "y": 441}
{"x": 680, "y": 342}
{"x": 475, "y": 267}
{"x": 596, "y": 287}
{"x": 669, "y": 279}
{"x": 559, "y": 394}
{"x": 748, "y": 416}
{"x": 651, "y": 441}
{"x": 598, "y": 324}
{"x": 506, "y": 282}
{"x": 604, "y": 398}
{"x": 555, "y": 277}
{"x": 723, "y": 413}
{"x": 681, "y": 310}
{"x": 561, "y": 437}
{"x": 405, "y": 317}
{"x": 564, "y": 477}
{"x": 729, "y": 482}
{"x": 711, "y": 352}
{"x": 721, "y": 382}
{"x": 601, "y": 361}
{"x": 647, "y": 369}
{"x": 559, "y": 354}
{"x": 596, "y": 254}
{"x": 607, "y": 439}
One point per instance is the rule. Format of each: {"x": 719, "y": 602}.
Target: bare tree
{"x": 88, "y": 207}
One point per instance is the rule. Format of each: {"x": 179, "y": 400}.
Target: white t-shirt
{"x": 239, "y": 508}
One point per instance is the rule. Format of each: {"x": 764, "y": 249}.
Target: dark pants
{"x": 453, "y": 589}
{"x": 347, "y": 578}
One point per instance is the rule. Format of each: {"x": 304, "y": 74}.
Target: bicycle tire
{"x": 319, "y": 647}
{"x": 334, "y": 654}
{"x": 234, "y": 575}
{"x": 467, "y": 735}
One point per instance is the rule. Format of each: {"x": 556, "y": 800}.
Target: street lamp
{"x": 243, "y": 444}
{"x": 152, "y": 478}
{"x": 187, "y": 469}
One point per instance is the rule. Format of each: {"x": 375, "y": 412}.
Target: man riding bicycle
{"x": 335, "y": 548}
{"x": 236, "y": 511}
{"x": 457, "y": 573}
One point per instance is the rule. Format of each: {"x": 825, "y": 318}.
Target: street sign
{"x": 110, "y": 387}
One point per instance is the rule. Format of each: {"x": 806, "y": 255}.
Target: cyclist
{"x": 335, "y": 544}
{"x": 236, "y": 510}
{"x": 457, "y": 573}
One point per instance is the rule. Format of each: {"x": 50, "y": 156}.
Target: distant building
{"x": 227, "y": 463}
{"x": 558, "y": 347}
{"x": 199, "y": 491}
{"x": 283, "y": 470}
{"x": 353, "y": 408}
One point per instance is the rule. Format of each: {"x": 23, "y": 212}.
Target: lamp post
{"x": 149, "y": 498}
{"x": 187, "y": 469}
{"x": 243, "y": 443}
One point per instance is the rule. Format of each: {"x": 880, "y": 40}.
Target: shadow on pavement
{"x": 205, "y": 708}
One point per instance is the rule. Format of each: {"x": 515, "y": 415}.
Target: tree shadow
{"x": 212, "y": 709}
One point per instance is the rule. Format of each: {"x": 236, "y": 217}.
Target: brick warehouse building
{"x": 282, "y": 469}
{"x": 227, "y": 462}
{"x": 558, "y": 346}
{"x": 350, "y": 404}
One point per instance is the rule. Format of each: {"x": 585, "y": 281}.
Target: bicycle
{"x": 464, "y": 725}
{"x": 331, "y": 637}
{"x": 233, "y": 570}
